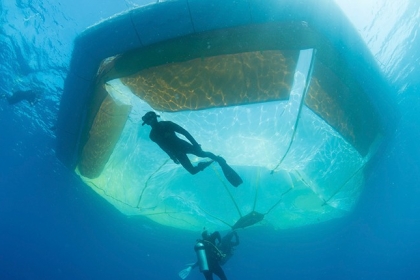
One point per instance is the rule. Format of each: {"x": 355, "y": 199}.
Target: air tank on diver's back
{"x": 201, "y": 256}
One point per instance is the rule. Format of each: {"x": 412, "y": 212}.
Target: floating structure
{"x": 285, "y": 90}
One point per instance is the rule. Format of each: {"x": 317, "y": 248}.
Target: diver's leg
{"x": 210, "y": 155}
{"x": 186, "y": 163}
{"x": 208, "y": 274}
{"x": 219, "y": 272}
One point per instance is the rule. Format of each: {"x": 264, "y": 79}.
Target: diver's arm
{"x": 181, "y": 130}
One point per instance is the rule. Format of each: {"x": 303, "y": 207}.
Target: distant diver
{"x": 31, "y": 96}
{"x": 210, "y": 256}
{"x": 163, "y": 133}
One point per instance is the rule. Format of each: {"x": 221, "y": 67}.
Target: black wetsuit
{"x": 18, "y": 96}
{"x": 164, "y": 134}
{"x": 213, "y": 257}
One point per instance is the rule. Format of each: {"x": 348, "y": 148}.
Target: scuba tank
{"x": 201, "y": 256}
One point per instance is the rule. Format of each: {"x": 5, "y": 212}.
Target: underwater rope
{"x": 256, "y": 189}
{"x": 106, "y": 194}
{"x": 148, "y": 179}
{"x": 278, "y": 202}
{"x": 219, "y": 253}
{"x": 214, "y": 217}
{"x": 307, "y": 83}
{"x": 345, "y": 183}
{"x": 227, "y": 189}
{"x": 281, "y": 196}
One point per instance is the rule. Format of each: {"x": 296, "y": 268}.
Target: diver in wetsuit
{"x": 163, "y": 134}
{"x": 214, "y": 255}
{"x": 31, "y": 96}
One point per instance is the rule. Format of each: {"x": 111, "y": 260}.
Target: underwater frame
{"x": 327, "y": 123}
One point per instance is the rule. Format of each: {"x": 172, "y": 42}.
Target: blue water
{"x": 52, "y": 226}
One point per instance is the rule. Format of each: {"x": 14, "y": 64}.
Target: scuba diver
{"x": 209, "y": 261}
{"x": 163, "y": 133}
{"x": 210, "y": 256}
{"x": 31, "y": 96}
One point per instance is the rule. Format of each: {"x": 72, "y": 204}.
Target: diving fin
{"x": 185, "y": 272}
{"x": 230, "y": 174}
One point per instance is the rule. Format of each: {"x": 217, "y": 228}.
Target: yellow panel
{"x": 103, "y": 136}
{"x": 217, "y": 81}
{"x": 335, "y": 97}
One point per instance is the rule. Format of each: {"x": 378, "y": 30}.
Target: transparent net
{"x": 296, "y": 168}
